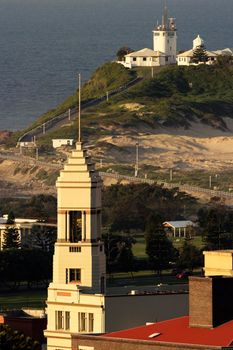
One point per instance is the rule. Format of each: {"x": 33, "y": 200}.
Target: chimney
{"x": 210, "y": 301}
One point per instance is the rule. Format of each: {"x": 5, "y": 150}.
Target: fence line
{"x": 185, "y": 187}
{"x": 63, "y": 116}
{"x": 211, "y": 193}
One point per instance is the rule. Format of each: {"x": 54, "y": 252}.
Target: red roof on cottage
{"x": 178, "y": 331}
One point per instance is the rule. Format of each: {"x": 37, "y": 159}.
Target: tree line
{"x": 127, "y": 211}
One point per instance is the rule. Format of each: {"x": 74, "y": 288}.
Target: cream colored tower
{"x": 165, "y": 38}
{"x": 76, "y": 299}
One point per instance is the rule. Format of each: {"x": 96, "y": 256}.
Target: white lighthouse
{"x": 76, "y": 300}
{"x": 165, "y": 38}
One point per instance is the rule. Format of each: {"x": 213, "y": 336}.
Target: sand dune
{"x": 200, "y": 147}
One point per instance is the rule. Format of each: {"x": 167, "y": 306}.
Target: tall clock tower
{"x": 76, "y": 300}
{"x": 165, "y": 37}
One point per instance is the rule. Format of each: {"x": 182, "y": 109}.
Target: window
{"x": 62, "y": 320}
{"x": 134, "y": 59}
{"x": 91, "y": 322}
{"x": 74, "y": 275}
{"x": 82, "y": 321}
{"x": 67, "y": 320}
{"x": 75, "y": 249}
{"x": 86, "y": 322}
{"x": 75, "y": 219}
{"x": 144, "y": 58}
{"x": 59, "y": 320}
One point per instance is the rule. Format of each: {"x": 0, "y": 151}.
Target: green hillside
{"x": 175, "y": 97}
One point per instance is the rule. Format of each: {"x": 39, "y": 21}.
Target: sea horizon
{"x": 47, "y": 43}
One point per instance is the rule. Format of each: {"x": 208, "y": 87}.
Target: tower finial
{"x": 79, "y": 108}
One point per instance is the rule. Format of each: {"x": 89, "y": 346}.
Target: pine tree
{"x": 11, "y": 234}
{"x": 200, "y": 55}
{"x": 158, "y": 247}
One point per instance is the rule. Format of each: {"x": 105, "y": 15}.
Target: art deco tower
{"x": 76, "y": 295}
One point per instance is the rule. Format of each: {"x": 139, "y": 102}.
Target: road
{"x": 64, "y": 117}
{"x": 150, "y": 289}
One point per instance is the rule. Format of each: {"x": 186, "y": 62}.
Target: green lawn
{"x": 197, "y": 241}
{"x": 23, "y": 299}
{"x": 139, "y": 247}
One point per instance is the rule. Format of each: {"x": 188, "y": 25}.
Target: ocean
{"x": 44, "y": 44}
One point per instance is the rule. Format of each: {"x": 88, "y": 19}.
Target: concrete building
{"x": 145, "y": 58}
{"x": 185, "y": 58}
{"x": 218, "y": 263}
{"x": 62, "y": 142}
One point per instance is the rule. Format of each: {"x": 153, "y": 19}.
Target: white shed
{"x": 62, "y": 142}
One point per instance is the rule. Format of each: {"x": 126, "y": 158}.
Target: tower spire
{"x": 79, "y": 108}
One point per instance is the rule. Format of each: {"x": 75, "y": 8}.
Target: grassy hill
{"x": 175, "y": 97}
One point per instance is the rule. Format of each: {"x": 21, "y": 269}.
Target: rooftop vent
{"x": 153, "y": 335}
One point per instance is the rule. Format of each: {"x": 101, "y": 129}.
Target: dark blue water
{"x": 44, "y": 44}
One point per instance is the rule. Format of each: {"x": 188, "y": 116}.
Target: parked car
{"x": 183, "y": 274}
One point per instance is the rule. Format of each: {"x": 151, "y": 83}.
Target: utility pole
{"x": 107, "y": 96}
{"x": 152, "y": 72}
{"x": 171, "y": 175}
{"x": 37, "y": 153}
{"x": 69, "y": 114}
{"x": 210, "y": 181}
{"x": 136, "y": 163}
{"x": 44, "y": 128}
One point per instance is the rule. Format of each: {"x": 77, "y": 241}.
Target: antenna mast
{"x": 165, "y": 15}
{"x": 79, "y": 108}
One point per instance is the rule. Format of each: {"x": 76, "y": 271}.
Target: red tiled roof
{"x": 178, "y": 331}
